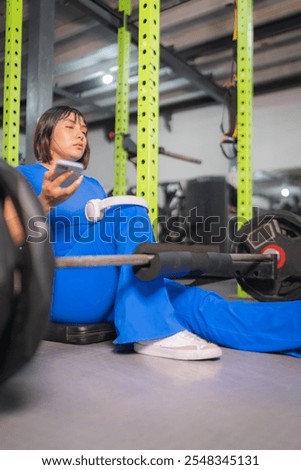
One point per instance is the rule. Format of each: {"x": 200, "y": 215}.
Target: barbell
{"x": 264, "y": 258}
{"x": 154, "y": 261}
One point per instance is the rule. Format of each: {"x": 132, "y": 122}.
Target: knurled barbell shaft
{"x": 102, "y": 260}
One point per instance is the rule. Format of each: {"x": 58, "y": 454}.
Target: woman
{"x": 161, "y": 317}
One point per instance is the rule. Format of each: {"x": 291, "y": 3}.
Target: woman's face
{"x": 69, "y": 139}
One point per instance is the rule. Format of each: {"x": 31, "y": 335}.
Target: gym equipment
{"x": 122, "y": 103}
{"x": 279, "y": 233}
{"x": 244, "y": 59}
{"x": 26, "y": 276}
{"x": 80, "y": 333}
{"x": 263, "y": 258}
{"x": 206, "y": 203}
{"x": 131, "y": 148}
{"x": 152, "y": 260}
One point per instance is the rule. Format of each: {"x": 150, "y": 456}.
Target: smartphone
{"x": 61, "y": 166}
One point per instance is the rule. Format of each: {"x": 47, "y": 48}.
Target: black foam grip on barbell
{"x": 183, "y": 263}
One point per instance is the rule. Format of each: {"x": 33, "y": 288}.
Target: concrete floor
{"x": 90, "y": 397}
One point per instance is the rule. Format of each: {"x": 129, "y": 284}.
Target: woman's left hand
{"x": 53, "y": 193}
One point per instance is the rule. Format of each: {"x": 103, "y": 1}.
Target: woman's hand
{"x": 52, "y": 193}
{"x": 13, "y": 222}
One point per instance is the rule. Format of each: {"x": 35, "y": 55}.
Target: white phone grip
{"x": 95, "y": 208}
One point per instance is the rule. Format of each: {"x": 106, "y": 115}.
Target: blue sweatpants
{"x": 150, "y": 310}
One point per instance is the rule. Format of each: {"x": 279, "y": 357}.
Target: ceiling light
{"x": 285, "y": 192}
{"x": 107, "y": 78}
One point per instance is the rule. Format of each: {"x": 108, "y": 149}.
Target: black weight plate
{"x": 7, "y": 268}
{"x": 275, "y": 232}
{"x": 30, "y": 291}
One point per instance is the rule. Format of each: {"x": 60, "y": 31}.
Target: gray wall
{"x": 196, "y": 133}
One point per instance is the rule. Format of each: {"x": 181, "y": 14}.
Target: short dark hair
{"x": 44, "y": 130}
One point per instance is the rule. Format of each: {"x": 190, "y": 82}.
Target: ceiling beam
{"x": 266, "y": 30}
{"x": 278, "y": 84}
{"x": 113, "y": 19}
{"x": 77, "y": 99}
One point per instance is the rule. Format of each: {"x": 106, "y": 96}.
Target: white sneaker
{"x": 184, "y": 345}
